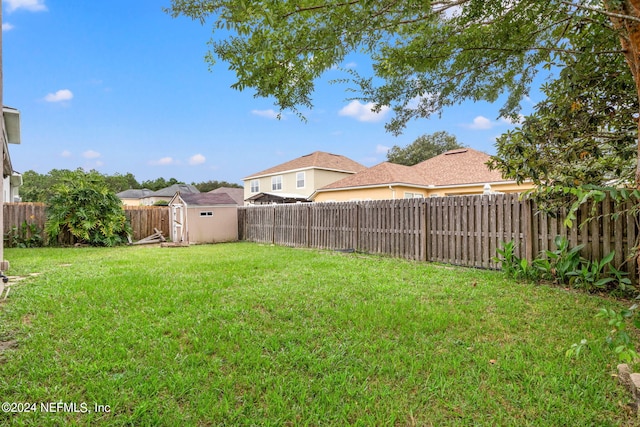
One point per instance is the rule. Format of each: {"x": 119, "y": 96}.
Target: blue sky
{"x": 120, "y": 86}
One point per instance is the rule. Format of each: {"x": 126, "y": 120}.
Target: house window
{"x": 276, "y": 183}
{"x": 300, "y": 180}
{"x": 206, "y": 213}
{"x": 255, "y": 185}
{"x": 413, "y": 195}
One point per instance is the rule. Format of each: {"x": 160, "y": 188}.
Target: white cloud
{"x": 269, "y": 114}
{"x": 163, "y": 161}
{"x": 481, "y": 123}
{"x": 382, "y": 149}
{"x": 90, "y": 154}
{"x": 362, "y": 112}
{"x": 7, "y": 27}
{"x": 198, "y": 159}
{"x": 59, "y": 96}
{"x": 66, "y": 153}
{"x": 30, "y": 5}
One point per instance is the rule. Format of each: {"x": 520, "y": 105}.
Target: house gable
{"x": 299, "y": 177}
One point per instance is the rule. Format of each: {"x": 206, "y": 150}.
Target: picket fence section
{"x": 143, "y": 219}
{"x": 459, "y": 230}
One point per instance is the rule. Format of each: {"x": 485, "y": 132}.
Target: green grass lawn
{"x": 244, "y": 334}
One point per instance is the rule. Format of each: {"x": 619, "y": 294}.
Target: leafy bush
{"x": 565, "y": 266}
{"x": 82, "y": 205}
{"x": 563, "y": 260}
{"x": 514, "y": 266}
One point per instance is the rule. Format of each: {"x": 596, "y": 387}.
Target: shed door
{"x": 178, "y": 217}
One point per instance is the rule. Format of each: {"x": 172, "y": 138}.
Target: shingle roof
{"x": 455, "y": 167}
{"x": 173, "y": 189}
{"x": 207, "y": 199}
{"x": 380, "y": 174}
{"x": 134, "y": 193}
{"x": 236, "y": 194}
{"x": 462, "y": 166}
{"x": 317, "y": 159}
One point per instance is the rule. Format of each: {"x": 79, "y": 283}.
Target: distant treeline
{"x": 37, "y": 187}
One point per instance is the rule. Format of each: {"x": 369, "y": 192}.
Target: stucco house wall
{"x": 212, "y": 224}
{"x": 371, "y": 193}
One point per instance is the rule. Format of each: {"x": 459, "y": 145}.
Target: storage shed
{"x": 203, "y": 218}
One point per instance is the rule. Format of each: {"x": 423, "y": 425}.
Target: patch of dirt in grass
{"x": 19, "y": 278}
{"x": 5, "y": 345}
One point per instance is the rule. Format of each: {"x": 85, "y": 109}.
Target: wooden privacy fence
{"x": 460, "y": 230}
{"x": 143, "y": 219}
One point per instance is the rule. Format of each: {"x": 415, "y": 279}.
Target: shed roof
{"x": 206, "y": 199}
{"x": 317, "y": 159}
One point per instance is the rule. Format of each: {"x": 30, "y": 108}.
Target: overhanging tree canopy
{"x": 426, "y": 54}
{"x": 423, "y": 148}
{"x": 584, "y": 132}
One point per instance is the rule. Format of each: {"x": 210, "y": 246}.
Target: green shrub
{"x": 516, "y": 267}
{"x": 565, "y": 266}
{"x": 83, "y": 205}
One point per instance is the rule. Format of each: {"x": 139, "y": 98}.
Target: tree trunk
{"x": 629, "y": 31}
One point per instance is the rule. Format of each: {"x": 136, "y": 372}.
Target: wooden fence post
{"x": 527, "y": 234}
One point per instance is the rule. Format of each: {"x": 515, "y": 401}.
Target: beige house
{"x": 456, "y": 172}
{"x": 203, "y": 218}
{"x": 134, "y": 196}
{"x": 298, "y": 179}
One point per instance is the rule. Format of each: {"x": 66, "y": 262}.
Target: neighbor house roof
{"x": 318, "y": 160}
{"x": 385, "y": 173}
{"x": 173, "y": 189}
{"x": 134, "y": 193}
{"x": 206, "y": 199}
{"x": 236, "y": 194}
{"x": 455, "y": 167}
